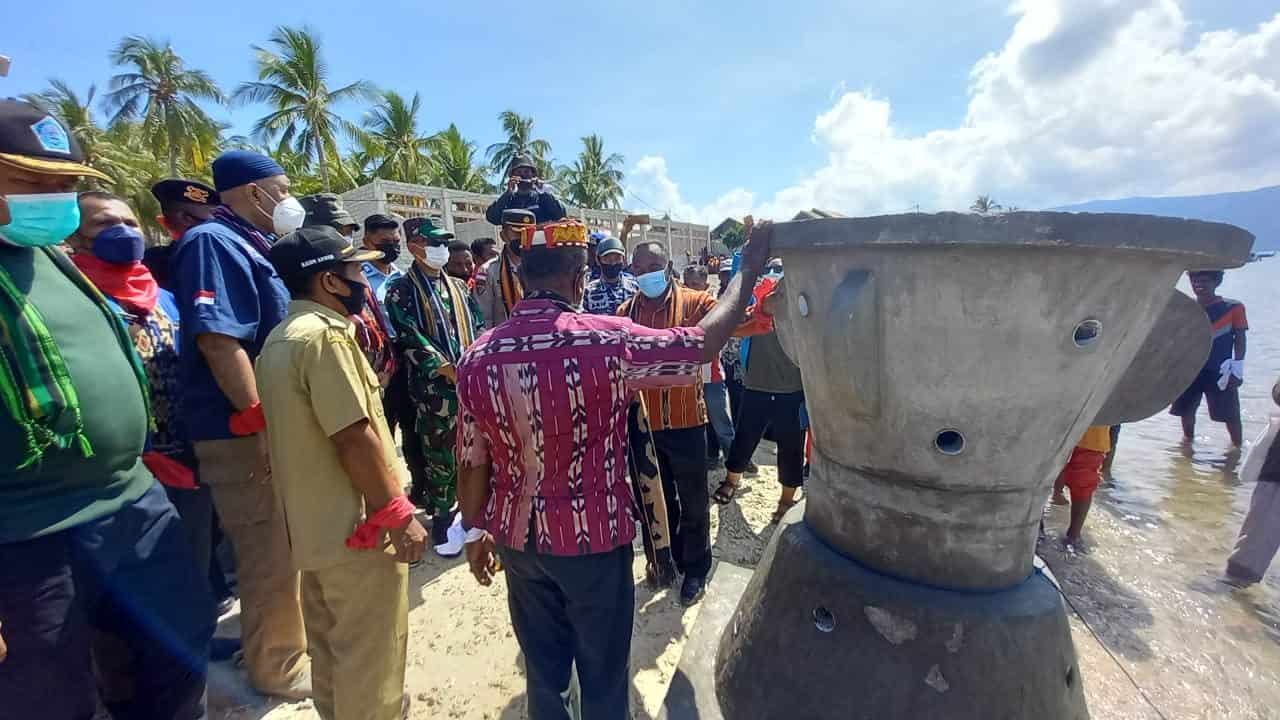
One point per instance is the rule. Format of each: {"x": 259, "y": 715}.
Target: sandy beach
{"x": 464, "y": 662}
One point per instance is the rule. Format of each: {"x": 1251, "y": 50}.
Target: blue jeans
{"x": 718, "y": 414}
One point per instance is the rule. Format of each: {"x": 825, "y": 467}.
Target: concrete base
{"x": 692, "y": 694}
{"x": 815, "y": 636}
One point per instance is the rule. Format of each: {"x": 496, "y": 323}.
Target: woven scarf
{"x": 35, "y": 384}
{"x": 452, "y": 336}
{"x": 509, "y": 283}
{"x": 261, "y": 242}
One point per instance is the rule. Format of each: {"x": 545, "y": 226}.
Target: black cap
{"x": 309, "y": 250}
{"x": 33, "y": 140}
{"x": 519, "y": 218}
{"x": 326, "y": 209}
{"x": 177, "y": 190}
{"x": 520, "y": 161}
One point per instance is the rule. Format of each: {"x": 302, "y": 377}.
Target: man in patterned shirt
{"x": 542, "y": 453}
{"x": 615, "y": 285}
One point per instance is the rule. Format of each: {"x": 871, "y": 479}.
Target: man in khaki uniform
{"x": 498, "y": 286}
{"x": 333, "y": 470}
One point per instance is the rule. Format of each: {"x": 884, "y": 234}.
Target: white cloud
{"x": 1087, "y": 99}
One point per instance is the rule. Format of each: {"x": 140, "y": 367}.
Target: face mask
{"x": 287, "y": 216}
{"x": 436, "y": 257}
{"x": 40, "y": 220}
{"x": 653, "y": 284}
{"x": 354, "y": 302}
{"x": 390, "y": 251}
{"x": 611, "y": 272}
{"x": 119, "y": 244}
{"x": 773, "y": 272}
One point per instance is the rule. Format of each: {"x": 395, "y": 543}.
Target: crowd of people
{"x": 558, "y": 395}
{"x": 554, "y": 399}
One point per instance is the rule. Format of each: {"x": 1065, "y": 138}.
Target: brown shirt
{"x": 674, "y": 408}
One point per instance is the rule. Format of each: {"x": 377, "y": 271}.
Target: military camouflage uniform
{"x": 435, "y": 399}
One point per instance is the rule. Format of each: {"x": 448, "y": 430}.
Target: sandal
{"x": 783, "y": 507}
{"x": 725, "y": 492}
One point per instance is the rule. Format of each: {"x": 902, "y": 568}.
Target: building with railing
{"x": 463, "y": 214}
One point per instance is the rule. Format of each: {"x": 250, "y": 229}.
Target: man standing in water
{"x": 542, "y": 447}
{"x": 1223, "y": 373}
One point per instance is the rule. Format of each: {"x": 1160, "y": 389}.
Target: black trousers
{"x": 399, "y": 410}
{"x": 762, "y": 411}
{"x": 130, "y": 574}
{"x": 567, "y": 610}
{"x": 682, "y": 459}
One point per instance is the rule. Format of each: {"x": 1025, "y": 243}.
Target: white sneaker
{"x": 456, "y": 539}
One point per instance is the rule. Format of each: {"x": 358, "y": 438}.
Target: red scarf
{"x": 130, "y": 285}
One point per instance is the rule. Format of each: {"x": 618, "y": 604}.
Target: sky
{"x": 721, "y": 109}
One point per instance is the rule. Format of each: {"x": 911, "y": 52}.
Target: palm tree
{"x": 520, "y": 141}
{"x": 390, "y": 137}
{"x": 453, "y": 162}
{"x": 594, "y": 180}
{"x": 64, "y": 103}
{"x": 163, "y": 93}
{"x": 293, "y": 80}
{"x": 984, "y": 205}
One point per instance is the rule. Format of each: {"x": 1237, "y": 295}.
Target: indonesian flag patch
{"x": 204, "y": 297}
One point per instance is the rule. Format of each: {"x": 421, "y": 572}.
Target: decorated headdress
{"x": 558, "y": 234}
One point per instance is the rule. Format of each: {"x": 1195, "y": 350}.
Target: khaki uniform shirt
{"x": 488, "y": 294}
{"x": 314, "y": 381}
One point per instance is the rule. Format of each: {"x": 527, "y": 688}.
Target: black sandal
{"x": 725, "y": 493}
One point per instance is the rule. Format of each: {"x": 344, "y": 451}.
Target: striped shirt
{"x": 543, "y": 400}
{"x": 1227, "y": 319}
{"x": 673, "y": 408}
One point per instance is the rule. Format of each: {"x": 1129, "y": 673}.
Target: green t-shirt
{"x": 769, "y": 369}
{"x": 65, "y": 489}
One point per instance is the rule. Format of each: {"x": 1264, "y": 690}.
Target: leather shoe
{"x": 691, "y": 589}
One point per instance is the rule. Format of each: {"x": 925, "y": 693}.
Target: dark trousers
{"x": 195, "y": 508}
{"x": 762, "y": 411}
{"x": 567, "y": 610}
{"x": 130, "y": 574}
{"x": 682, "y": 459}
{"x": 399, "y": 410}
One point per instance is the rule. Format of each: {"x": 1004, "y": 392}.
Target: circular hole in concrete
{"x": 802, "y": 304}
{"x": 1086, "y": 333}
{"x": 949, "y": 442}
{"x": 823, "y": 619}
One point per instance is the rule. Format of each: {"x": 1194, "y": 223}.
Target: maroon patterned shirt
{"x": 543, "y": 399}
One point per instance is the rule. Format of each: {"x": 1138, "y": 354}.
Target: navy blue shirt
{"x": 223, "y": 285}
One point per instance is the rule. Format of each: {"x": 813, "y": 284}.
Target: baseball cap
{"x": 326, "y": 209}
{"x": 610, "y": 245}
{"x": 378, "y": 220}
{"x": 309, "y": 250}
{"x": 177, "y": 190}
{"x": 426, "y": 228}
{"x": 522, "y": 161}
{"x": 33, "y": 140}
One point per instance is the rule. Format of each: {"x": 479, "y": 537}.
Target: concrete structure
{"x": 455, "y": 207}
{"x": 951, "y": 362}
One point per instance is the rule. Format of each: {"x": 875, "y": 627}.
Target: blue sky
{"x": 726, "y": 95}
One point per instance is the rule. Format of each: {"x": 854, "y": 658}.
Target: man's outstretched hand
{"x": 755, "y": 254}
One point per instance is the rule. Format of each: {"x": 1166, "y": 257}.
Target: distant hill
{"x": 1257, "y": 211}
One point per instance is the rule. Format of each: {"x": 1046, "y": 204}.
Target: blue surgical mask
{"x": 773, "y": 272}
{"x": 119, "y": 244}
{"x": 653, "y": 284}
{"x": 40, "y": 220}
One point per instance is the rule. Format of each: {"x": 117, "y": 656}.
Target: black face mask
{"x": 611, "y": 272}
{"x": 390, "y": 251}
{"x": 353, "y": 303}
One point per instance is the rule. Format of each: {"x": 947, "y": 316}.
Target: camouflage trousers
{"x": 436, "y": 407}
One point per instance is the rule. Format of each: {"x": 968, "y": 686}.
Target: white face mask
{"x": 287, "y": 216}
{"x": 437, "y": 256}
